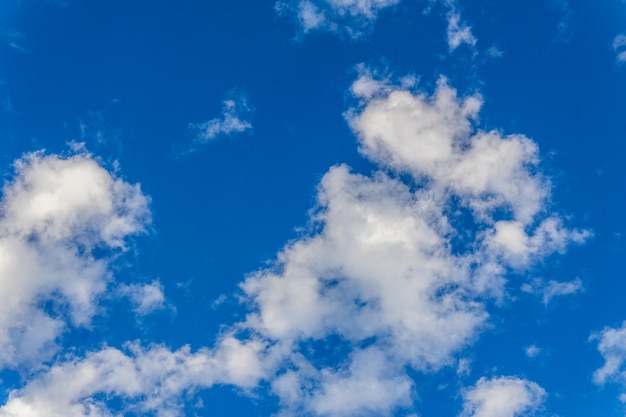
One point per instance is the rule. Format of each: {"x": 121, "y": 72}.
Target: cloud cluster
{"x": 392, "y": 277}
{"x": 355, "y": 17}
{"x": 345, "y": 16}
{"x": 145, "y": 381}
{"x": 390, "y": 273}
{"x": 56, "y": 214}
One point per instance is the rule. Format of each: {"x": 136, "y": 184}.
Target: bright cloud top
{"x": 55, "y": 213}
{"x": 384, "y": 275}
{"x": 502, "y": 397}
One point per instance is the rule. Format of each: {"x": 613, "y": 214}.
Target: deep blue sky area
{"x": 230, "y": 115}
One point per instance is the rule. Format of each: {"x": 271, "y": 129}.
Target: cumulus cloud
{"x": 56, "y": 214}
{"x": 386, "y": 272}
{"x": 231, "y": 121}
{"x": 502, "y": 397}
{"x": 145, "y": 380}
{"x": 392, "y": 277}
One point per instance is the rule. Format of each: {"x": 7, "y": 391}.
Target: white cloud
{"x": 619, "y": 46}
{"x": 351, "y": 17}
{"x": 145, "y": 298}
{"x": 388, "y": 275}
{"x": 459, "y": 32}
{"x": 553, "y": 288}
{"x": 147, "y": 381}
{"x": 532, "y": 351}
{"x": 356, "y": 17}
{"x": 55, "y": 212}
{"x": 612, "y": 346}
{"x": 231, "y": 121}
{"x": 381, "y": 269}
{"x": 502, "y": 397}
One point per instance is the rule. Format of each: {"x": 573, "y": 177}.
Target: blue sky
{"x": 328, "y": 208}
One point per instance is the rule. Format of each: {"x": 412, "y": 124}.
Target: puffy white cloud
{"x": 231, "y": 121}
{"x": 145, "y": 380}
{"x": 382, "y": 267}
{"x": 55, "y": 212}
{"x": 392, "y": 276}
{"x": 502, "y": 397}
{"x": 432, "y": 138}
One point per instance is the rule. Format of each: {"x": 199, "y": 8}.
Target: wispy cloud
{"x": 565, "y": 27}
{"x": 233, "y": 120}
{"x": 532, "y": 351}
{"x": 354, "y": 18}
{"x": 459, "y": 33}
{"x": 619, "y": 46}
{"x": 553, "y": 289}
{"x": 350, "y": 17}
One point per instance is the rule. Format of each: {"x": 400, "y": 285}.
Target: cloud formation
{"x": 145, "y": 298}
{"x": 231, "y": 121}
{"x": 619, "y": 46}
{"x": 502, "y": 397}
{"x": 343, "y": 16}
{"x": 388, "y": 273}
{"x": 148, "y": 380}
{"x": 458, "y": 32}
{"x": 56, "y": 214}
{"x": 392, "y": 276}
{"x": 612, "y": 347}
{"x": 553, "y": 288}
{"x": 356, "y": 17}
